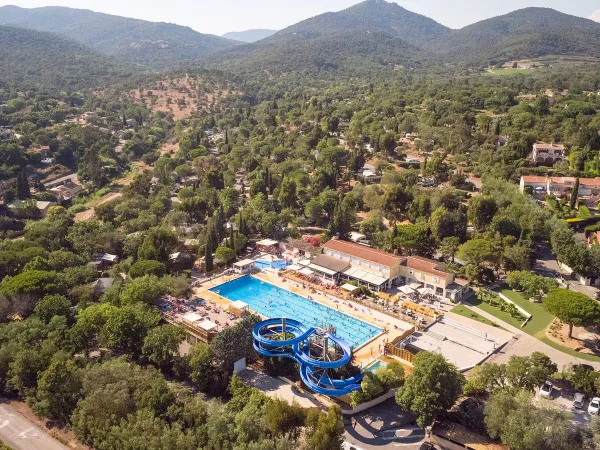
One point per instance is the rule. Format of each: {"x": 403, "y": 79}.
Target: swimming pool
{"x": 273, "y": 302}
{"x": 376, "y": 365}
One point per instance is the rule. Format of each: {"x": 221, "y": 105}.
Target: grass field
{"x": 462, "y": 310}
{"x": 536, "y": 327}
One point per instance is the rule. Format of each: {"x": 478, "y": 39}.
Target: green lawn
{"x": 462, "y": 310}
{"x": 536, "y": 327}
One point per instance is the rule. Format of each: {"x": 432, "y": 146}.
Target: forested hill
{"x": 371, "y": 14}
{"x": 35, "y": 57}
{"x": 350, "y": 53}
{"x": 526, "y": 33}
{"x": 149, "y": 44}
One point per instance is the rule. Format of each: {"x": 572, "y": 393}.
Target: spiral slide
{"x": 290, "y": 339}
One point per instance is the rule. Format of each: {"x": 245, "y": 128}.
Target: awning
{"x": 416, "y": 286}
{"x": 244, "y": 263}
{"x": 425, "y": 291}
{"x": 294, "y": 267}
{"x": 193, "y": 317}
{"x": 306, "y": 272}
{"x": 267, "y": 242}
{"x": 364, "y": 276}
{"x": 207, "y": 325}
{"x": 238, "y": 304}
{"x": 349, "y": 287}
{"x": 406, "y": 289}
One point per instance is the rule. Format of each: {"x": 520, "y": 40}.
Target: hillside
{"x": 526, "y": 33}
{"x": 358, "y": 52}
{"x": 377, "y": 15}
{"x": 149, "y": 44}
{"x": 249, "y": 36}
{"x": 34, "y": 57}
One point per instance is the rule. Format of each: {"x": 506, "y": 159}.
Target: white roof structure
{"x": 294, "y": 267}
{"x": 306, "y": 271}
{"x": 406, "y": 290}
{"x": 267, "y": 242}
{"x": 363, "y": 275}
{"x": 207, "y": 325}
{"x": 416, "y": 286}
{"x": 238, "y": 304}
{"x": 193, "y": 317}
{"x": 355, "y": 237}
{"x": 244, "y": 263}
{"x": 349, "y": 287}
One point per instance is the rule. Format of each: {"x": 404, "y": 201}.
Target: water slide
{"x": 270, "y": 339}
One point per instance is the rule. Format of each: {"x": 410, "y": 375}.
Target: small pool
{"x": 262, "y": 264}
{"x": 273, "y": 302}
{"x": 376, "y": 365}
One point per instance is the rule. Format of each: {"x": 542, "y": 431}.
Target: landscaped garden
{"x": 462, "y": 310}
{"x": 535, "y": 327}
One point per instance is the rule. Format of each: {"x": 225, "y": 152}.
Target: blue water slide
{"x": 314, "y": 372}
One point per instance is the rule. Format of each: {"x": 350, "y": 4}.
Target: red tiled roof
{"x": 360, "y": 251}
{"x": 425, "y": 265}
{"x": 534, "y": 179}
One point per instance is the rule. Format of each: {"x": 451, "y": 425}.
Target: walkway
{"x": 523, "y": 345}
{"x": 21, "y": 434}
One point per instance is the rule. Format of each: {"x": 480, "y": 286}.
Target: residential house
{"x": 42, "y": 206}
{"x": 432, "y": 275}
{"x": 562, "y": 187}
{"x": 299, "y": 248}
{"x": 43, "y": 150}
{"x": 101, "y": 285}
{"x": 105, "y": 261}
{"x": 548, "y": 154}
{"x": 66, "y": 191}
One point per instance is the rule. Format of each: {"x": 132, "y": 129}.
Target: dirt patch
{"x": 104, "y": 199}
{"x": 176, "y": 96}
{"x": 168, "y": 148}
{"x": 82, "y": 216}
{"x": 583, "y": 340}
{"x": 67, "y": 437}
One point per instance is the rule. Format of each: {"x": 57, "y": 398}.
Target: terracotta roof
{"x": 534, "y": 179}
{"x": 425, "y": 265}
{"x": 362, "y": 252}
{"x": 589, "y": 181}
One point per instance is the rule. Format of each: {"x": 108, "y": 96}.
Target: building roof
{"x": 328, "y": 262}
{"x": 193, "y": 317}
{"x": 239, "y": 304}
{"x": 425, "y": 265}
{"x": 244, "y": 263}
{"x": 103, "y": 283}
{"x": 546, "y": 145}
{"x": 362, "y": 275}
{"x": 301, "y": 245}
{"x": 534, "y": 179}
{"x": 362, "y": 252}
{"x": 207, "y": 325}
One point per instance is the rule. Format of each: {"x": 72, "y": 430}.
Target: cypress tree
{"x": 23, "y": 192}
{"x": 574, "y": 194}
{"x": 231, "y": 240}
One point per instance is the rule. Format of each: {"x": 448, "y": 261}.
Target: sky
{"x": 221, "y": 16}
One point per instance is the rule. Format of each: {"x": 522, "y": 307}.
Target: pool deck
{"x": 363, "y": 355}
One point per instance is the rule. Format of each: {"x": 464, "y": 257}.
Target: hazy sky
{"x": 220, "y": 16}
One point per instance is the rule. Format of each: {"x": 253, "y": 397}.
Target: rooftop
{"x": 362, "y": 252}
{"x": 328, "y": 262}
{"x": 425, "y": 265}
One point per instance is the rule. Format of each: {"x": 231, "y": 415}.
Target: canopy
{"x": 416, "y": 286}
{"x": 238, "y": 304}
{"x": 424, "y": 291}
{"x": 294, "y": 267}
{"x": 193, "y": 317}
{"x": 207, "y": 325}
{"x": 406, "y": 289}
{"x": 306, "y": 271}
{"x": 349, "y": 287}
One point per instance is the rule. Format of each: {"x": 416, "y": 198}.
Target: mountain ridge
{"x": 249, "y": 36}
{"x": 155, "y": 45}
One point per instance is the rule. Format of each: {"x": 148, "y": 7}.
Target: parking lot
{"x": 564, "y": 400}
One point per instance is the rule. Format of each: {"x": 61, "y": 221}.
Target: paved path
{"x": 21, "y": 434}
{"x": 523, "y": 345}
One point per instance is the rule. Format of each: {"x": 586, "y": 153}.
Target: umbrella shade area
{"x": 406, "y": 289}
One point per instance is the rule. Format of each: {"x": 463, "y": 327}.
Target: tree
{"x": 59, "y": 389}
{"x": 324, "y": 431}
{"x": 574, "y": 194}
{"x": 52, "y": 305}
{"x": 202, "y": 371}
{"x": 224, "y": 255}
{"x": 22, "y": 187}
{"x": 287, "y": 193}
{"x": 572, "y": 308}
{"x": 433, "y": 387}
{"x": 477, "y": 251}
{"x": 162, "y": 344}
{"x": 523, "y": 424}
{"x": 146, "y": 267}
{"x": 126, "y": 328}
{"x": 227, "y": 354}
{"x": 146, "y": 289}
{"x": 481, "y": 211}
{"x": 281, "y": 418}
{"x": 449, "y": 247}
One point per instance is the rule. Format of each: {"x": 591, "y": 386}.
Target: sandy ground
{"x": 88, "y": 214}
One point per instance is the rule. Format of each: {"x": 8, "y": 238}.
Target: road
{"x": 384, "y": 426}
{"x": 21, "y": 434}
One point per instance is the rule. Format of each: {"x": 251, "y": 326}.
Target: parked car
{"x": 546, "y": 390}
{"x": 578, "y": 400}
{"x": 594, "y": 407}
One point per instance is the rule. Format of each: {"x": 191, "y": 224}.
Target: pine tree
{"x": 23, "y": 192}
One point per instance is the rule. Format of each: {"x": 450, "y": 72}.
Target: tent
{"x": 406, "y": 289}
{"x": 416, "y": 286}
{"x": 349, "y": 287}
{"x": 306, "y": 272}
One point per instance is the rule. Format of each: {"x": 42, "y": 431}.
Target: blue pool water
{"x": 376, "y": 365}
{"x": 273, "y": 302}
{"x": 278, "y": 264}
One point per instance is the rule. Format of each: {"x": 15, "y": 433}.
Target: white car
{"x": 546, "y": 390}
{"x": 594, "y": 407}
